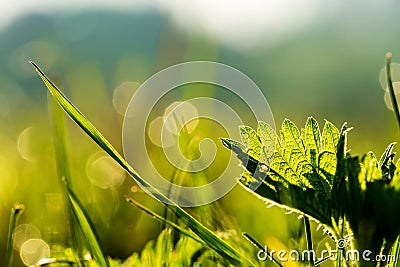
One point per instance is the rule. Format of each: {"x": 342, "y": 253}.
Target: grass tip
{"x": 19, "y": 207}
{"x": 388, "y": 55}
{"x": 128, "y": 199}
{"x": 33, "y": 63}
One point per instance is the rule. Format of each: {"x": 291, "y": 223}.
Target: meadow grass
{"x": 333, "y": 194}
{"x": 213, "y": 241}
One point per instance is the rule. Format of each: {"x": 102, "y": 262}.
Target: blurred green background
{"x": 307, "y": 58}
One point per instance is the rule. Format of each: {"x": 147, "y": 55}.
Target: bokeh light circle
{"x": 180, "y": 119}
{"x": 23, "y": 233}
{"x": 104, "y": 172}
{"x": 33, "y": 250}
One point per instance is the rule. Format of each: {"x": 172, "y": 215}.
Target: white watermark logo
{"x": 182, "y": 117}
{"x": 343, "y": 252}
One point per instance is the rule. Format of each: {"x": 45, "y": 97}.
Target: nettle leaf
{"x": 297, "y": 157}
{"x": 312, "y": 140}
{"x": 395, "y": 183}
{"x": 296, "y": 171}
{"x": 386, "y": 162}
{"x": 268, "y": 142}
{"x": 313, "y": 174}
{"x": 330, "y": 137}
{"x": 251, "y": 142}
{"x": 370, "y": 170}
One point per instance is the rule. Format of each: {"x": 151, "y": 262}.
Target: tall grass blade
{"x": 390, "y": 85}
{"x": 396, "y": 253}
{"x": 163, "y": 220}
{"x": 60, "y": 140}
{"x": 213, "y": 241}
{"x": 88, "y": 230}
{"x": 62, "y": 163}
{"x": 309, "y": 239}
{"x": 259, "y": 246}
{"x": 15, "y": 213}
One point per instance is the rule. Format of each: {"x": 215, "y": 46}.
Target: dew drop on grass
{"x": 122, "y": 95}
{"x": 33, "y": 250}
{"x": 104, "y": 172}
{"x": 24, "y": 232}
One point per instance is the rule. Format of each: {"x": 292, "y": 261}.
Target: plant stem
{"x": 390, "y": 86}
{"x": 309, "y": 240}
{"x": 15, "y": 212}
{"x": 258, "y": 245}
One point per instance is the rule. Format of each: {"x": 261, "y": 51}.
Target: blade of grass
{"x": 88, "y": 230}
{"x": 14, "y": 214}
{"x": 390, "y": 85}
{"x": 163, "y": 220}
{"x": 396, "y": 252}
{"x": 309, "y": 240}
{"x": 213, "y": 241}
{"x": 60, "y": 143}
{"x": 62, "y": 164}
{"x": 258, "y": 245}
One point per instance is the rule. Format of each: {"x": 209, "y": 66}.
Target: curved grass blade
{"x": 15, "y": 213}
{"x": 390, "y": 86}
{"x": 212, "y": 240}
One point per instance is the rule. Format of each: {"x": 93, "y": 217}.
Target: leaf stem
{"x": 390, "y": 86}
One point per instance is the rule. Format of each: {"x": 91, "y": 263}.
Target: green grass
{"x": 212, "y": 240}
{"x": 304, "y": 171}
{"x": 14, "y": 214}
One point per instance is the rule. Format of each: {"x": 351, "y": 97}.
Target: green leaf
{"x": 147, "y": 255}
{"x": 330, "y": 137}
{"x": 312, "y": 141}
{"x": 251, "y": 142}
{"x": 268, "y": 142}
{"x": 386, "y": 163}
{"x": 163, "y": 248}
{"x": 300, "y": 175}
{"x": 213, "y": 241}
{"x": 296, "y": 161}
{"x": 370, "y": 170}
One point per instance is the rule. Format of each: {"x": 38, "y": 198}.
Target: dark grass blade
{"x": 213, "y": 241}
{"x": 14, "y": 214}
{"x": 309, "y": 239}
{"x": 163, "y": 220}
{"x": 259, "y": 246}
{"x": 390, "y": 85}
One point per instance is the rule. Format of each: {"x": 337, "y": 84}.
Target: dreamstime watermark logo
{"x": 182, "y": 117}
{"x": 343, "y": 252}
